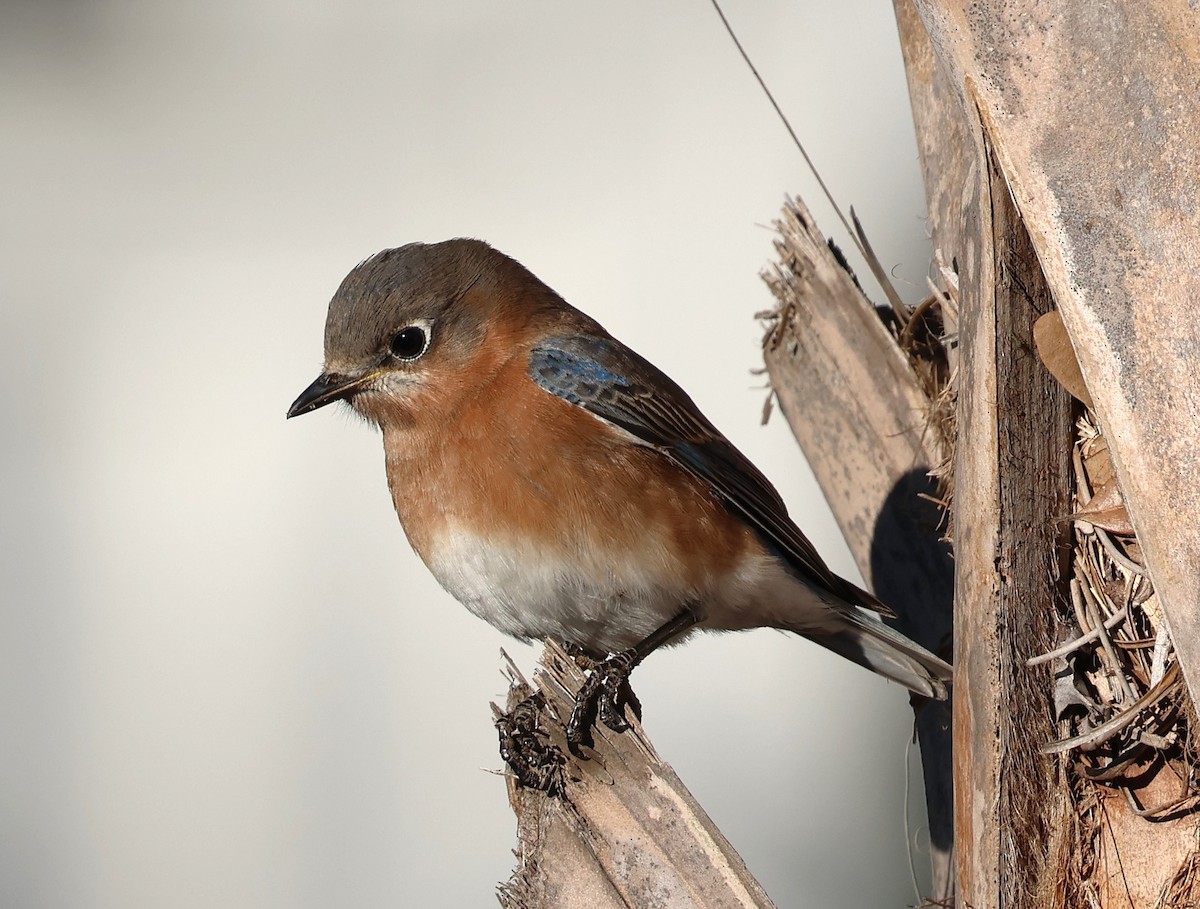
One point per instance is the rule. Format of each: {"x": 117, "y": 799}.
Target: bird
{"x": 559, "y": 485}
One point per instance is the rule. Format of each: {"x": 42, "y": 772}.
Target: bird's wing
{"x": 608, "y": 380}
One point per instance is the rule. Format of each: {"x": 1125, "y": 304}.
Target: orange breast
{"x": 510, "y": 462}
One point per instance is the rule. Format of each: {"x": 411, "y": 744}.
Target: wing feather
{"x": 613, "y": 383}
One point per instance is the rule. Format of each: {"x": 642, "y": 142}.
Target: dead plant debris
{"x": 1120, "y": 702}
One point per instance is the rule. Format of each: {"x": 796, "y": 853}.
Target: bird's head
{"x": 410, "y": 324}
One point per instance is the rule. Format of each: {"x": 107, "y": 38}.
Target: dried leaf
{"x": 1106, "y": 509}
{"x": 1114, "y": 520}
{"x": 1097, "y": 463}
{"x": 1054, "y": 347}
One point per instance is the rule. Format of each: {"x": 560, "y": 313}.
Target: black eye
{"x": 409, "y": 343}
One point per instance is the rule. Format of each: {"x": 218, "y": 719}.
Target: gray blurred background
{"x": 224, "y": 679}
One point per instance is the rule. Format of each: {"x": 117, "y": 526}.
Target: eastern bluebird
{"x": 558, "y": 484}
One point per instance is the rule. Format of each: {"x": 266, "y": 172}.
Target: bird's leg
{"x": 588, "y": 663}
{"x": 537, "y": 764}
{"x": 606, "y": 691}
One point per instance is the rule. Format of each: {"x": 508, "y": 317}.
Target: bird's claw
{"x": 602, "y": 697}
{"x": 536, "y": 763}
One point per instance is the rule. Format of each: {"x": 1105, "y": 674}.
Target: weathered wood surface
{"x": 1012, "y": 483}
{"x": 860, "y": 413}
{"x": 1059, "y": 145}
{"x": 848, "y": 392}
{"x": 624, "y": 833}
{"x": 1093, "y": 112}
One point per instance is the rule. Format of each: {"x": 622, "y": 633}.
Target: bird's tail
{"x": 867, "y": 641}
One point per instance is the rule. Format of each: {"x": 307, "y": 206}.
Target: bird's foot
{"x": 603, "y": 696}
{"x": 536, "y": 763}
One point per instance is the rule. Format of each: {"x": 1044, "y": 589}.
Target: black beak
{"x": 325, "y": 390}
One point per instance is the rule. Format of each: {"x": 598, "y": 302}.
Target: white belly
{"x": 609, "y": 601}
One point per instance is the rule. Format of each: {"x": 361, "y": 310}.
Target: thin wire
{"x": 788, "y": 126}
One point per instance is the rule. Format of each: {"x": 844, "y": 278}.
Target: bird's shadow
{"x": 913, "y": 571}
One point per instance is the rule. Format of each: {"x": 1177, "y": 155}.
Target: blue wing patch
{"x": 571, "y": 376}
